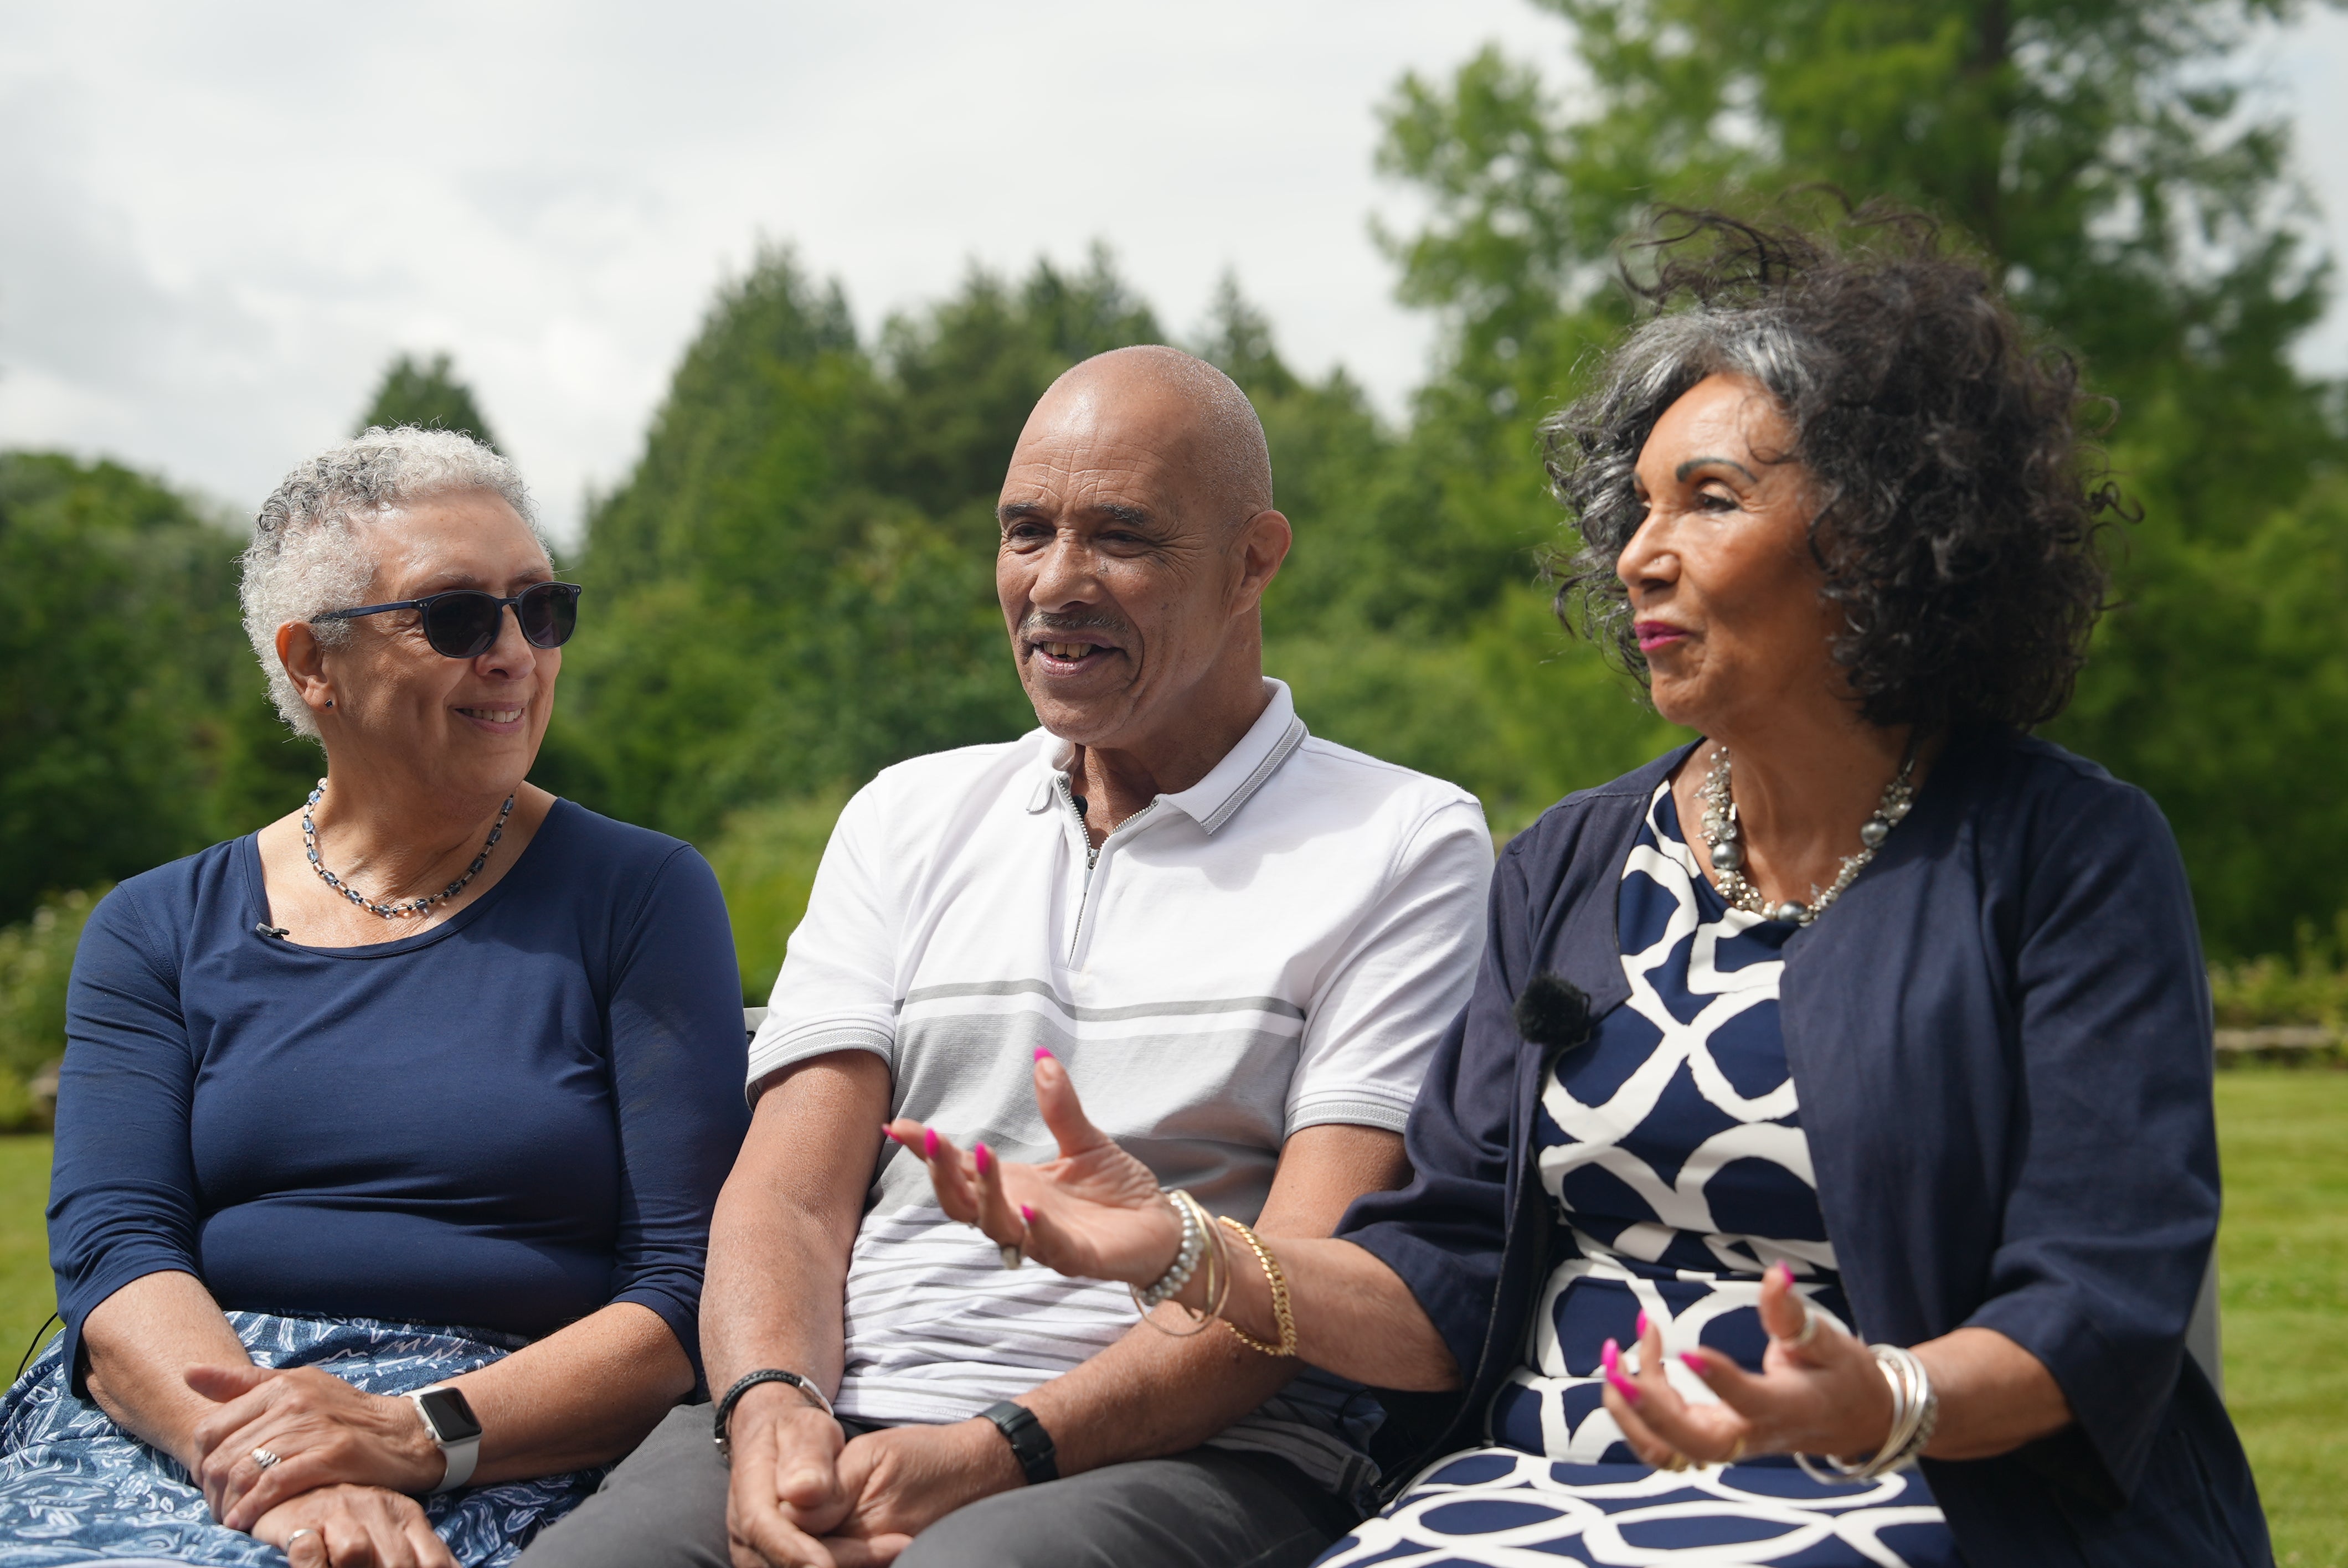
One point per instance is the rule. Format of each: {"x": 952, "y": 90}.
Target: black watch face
{"x": 451, "y": 1419}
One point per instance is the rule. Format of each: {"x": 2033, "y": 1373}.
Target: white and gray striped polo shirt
{"x": 1276, "y": 947}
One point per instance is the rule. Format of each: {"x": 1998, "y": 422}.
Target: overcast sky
{"x": 221, "y": 219}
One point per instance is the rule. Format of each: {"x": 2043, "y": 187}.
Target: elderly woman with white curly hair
{"x": 388, "y": 1136}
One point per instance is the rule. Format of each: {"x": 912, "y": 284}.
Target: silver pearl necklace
{"x": 1723, "y": 839}
{"x": 411, "y": 908}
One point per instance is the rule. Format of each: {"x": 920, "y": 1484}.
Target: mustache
{"x": 1037, "y": 625}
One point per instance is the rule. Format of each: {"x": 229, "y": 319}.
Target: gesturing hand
{"x": 323, "y": 1432}
{"x": 353, "y": 1527}
{"x": 1093, "y": 1213}
{"x": 1825, "y": 1396}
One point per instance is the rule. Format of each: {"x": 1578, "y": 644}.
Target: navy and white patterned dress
{"x": 1673, "y": 1148}
{"x": 76, "y": 1488}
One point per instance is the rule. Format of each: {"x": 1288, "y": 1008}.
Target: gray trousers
{"x": 664, "y": 1507}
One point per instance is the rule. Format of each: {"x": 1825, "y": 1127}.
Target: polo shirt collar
{"x": 1245, "y": 768}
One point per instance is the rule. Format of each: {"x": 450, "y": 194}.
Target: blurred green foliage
{"x": 134, "y": 726}
{"x": 425, "y": 392}
{"x": 765, "y": 859}
{"x": 36, "y": 961}
{"x": 2310, "y": 986}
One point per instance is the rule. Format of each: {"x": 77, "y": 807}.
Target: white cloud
{"x": 224, "y": 218}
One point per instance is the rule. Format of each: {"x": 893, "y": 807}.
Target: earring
{"x": 330, "y": 702}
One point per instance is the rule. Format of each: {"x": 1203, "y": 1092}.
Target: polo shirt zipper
{"x": 1092, "y": 857}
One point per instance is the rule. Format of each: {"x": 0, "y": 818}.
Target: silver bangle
{"x": 1186, "y": 1257}
{"x": 1915, "y": 1412}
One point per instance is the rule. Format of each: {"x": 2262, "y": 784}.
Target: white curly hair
{"x": 306, "y": 556}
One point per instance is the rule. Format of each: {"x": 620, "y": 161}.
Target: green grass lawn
{"x": 26, "y": 1294}
{"x": 2282, "y": 1259}
{"x": 2283, "y": 1270}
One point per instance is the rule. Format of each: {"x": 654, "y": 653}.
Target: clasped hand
{"x": 801, "y": 1498}
{"x": 800, "y": 1493}
{"x": 347, "y": 1463}
{"x": 1819, "y": 1392}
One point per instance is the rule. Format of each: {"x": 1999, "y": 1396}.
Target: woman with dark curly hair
{"x": 1823, "y": 1171}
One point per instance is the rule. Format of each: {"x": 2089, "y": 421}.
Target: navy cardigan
{"x": 2001, "y": 1040}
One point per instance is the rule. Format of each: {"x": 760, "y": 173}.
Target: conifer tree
{"x": 426, "y": 392}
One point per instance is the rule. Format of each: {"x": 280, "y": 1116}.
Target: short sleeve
{"x": 2113, "y": 1206}
{"x": 837, "y": 991}
{"x": 677, "y": 1072}
{"x": 1444, "y": 1231}
{"x": 1403, "y": 974}
{"x": 122, "y": 1193}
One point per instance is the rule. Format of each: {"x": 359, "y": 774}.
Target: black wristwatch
{"x": 1030, "y": 1445}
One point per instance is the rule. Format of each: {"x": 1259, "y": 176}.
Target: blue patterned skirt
{"x": 76, "y": 1489}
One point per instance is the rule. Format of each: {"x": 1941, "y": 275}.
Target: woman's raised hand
{"x": 1095, "y": 1213}
{"x": 323, "y": 1432}
{"x": 1819, "y": 1392}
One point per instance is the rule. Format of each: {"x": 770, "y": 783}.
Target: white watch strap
{"x": 459, "y": 1458}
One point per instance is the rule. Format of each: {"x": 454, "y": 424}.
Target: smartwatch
{"x": 1030, "y": 1445}
{"x": 454, "y": 1427}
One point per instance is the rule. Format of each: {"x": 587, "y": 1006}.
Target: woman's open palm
{"x": 1095, "y": 1213}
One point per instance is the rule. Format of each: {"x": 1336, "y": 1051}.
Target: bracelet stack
{"x": 1915, "y": 1410}
{"x": 1178, "y": 1274}
{"x": 1202, "y": 1241}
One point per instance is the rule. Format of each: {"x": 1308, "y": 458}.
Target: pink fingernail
{"x": 1785, "y": 1275}
{"x": 1042, "y": 1054}
{"x": 1610, "y": 1355}
{"x": 930, "y": 1143}
{"x": 1643, "y": 1326}
{"x": 984, "y": 1157}
{"x": 1694, "y": 1363}
{"x": 885, "y": 1130}
{"x": 1027, "y": 1214}
{"x": 1625, "y": 1386}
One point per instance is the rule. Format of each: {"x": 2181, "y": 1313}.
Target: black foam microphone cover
{"x": 1553, "y": 1013}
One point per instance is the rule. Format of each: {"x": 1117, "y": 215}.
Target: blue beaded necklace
{"x": 413, "y": 907}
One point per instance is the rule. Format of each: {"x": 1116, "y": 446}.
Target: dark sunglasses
{"x": 463, "y": 622}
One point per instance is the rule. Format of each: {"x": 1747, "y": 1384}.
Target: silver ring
{"x": 1011, "y": 1257}
{"x": 297, "y": 1535}
{"x": 263, "y": 1459}
{"x": 1809, "y": 1327}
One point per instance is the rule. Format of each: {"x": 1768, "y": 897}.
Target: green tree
{"x": 425, "y": 392}
{"x": 794, "y": 587}
{"x": 2105, "y": 156}
{"x": 133, "y": 726}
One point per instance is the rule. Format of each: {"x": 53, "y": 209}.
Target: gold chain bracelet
{"x": 1278, "y": 1282}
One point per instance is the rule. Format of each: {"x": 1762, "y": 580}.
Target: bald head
{"x": 1194, "y": 414}
{"x": 1139, "y": 536}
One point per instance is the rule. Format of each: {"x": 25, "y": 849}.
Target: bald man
{"x": 1242, "y": 943}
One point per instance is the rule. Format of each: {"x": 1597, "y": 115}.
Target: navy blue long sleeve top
{"x": 2001, "y": 1038}
{"x": 507, "y": 1122}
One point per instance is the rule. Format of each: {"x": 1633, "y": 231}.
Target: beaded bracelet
{"x": 1209, "y": 1246}
{"x": 1186, "y": 1257}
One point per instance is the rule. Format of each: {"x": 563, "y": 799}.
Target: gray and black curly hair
{"x": 306, "y": 556}
{"x": 1960, "y": 513}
